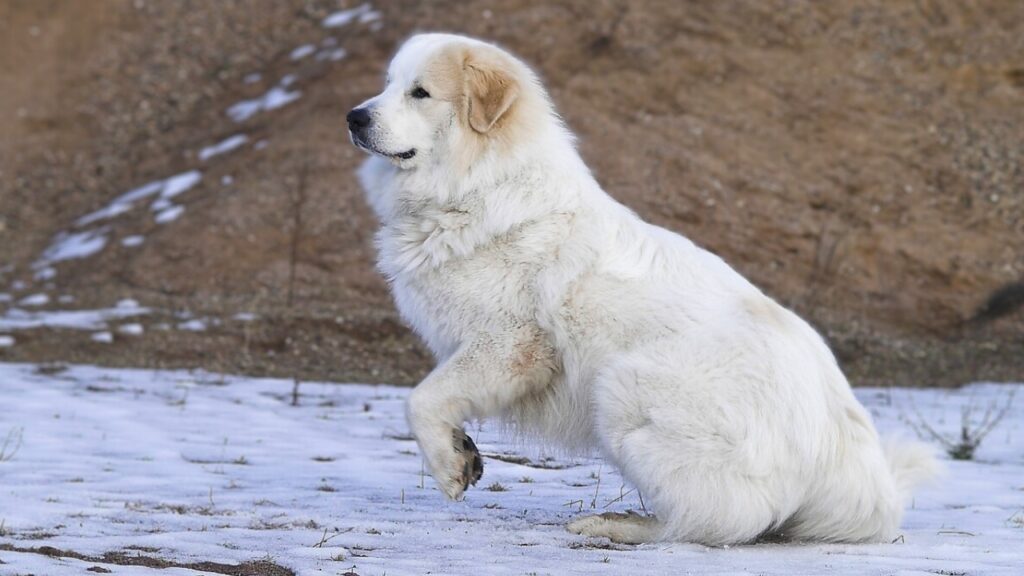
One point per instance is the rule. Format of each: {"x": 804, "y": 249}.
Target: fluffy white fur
{"x": 550, "y": 305}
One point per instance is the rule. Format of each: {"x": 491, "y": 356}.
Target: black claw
{"x": 478, "y": 462}
{"x": 474, "y": 467}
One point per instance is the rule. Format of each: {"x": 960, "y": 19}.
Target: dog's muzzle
{"x": 359, "y": 121}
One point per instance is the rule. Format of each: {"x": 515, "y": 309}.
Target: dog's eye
{"x": 419, "y": 93}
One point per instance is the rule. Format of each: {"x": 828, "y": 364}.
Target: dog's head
{"x": 443, "y": 93}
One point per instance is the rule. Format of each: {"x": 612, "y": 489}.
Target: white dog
{"x": 550, "y": 305}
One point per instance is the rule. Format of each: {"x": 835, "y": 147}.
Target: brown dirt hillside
{"x": 861, "y": 161}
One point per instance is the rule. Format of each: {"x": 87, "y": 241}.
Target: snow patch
{"x": 194, "y": 325}
{"x": 226, "y": 145}
{"x": 364, "y": 13}
{"x": 71, "y": 246}
{"x": 35, "y": 300}
{"x": 133, "y": 329}
{"x": 302, "y": 51}
{"x": 121, "y": 204}
{"x": 6, "y": 341}
{"x": 165, "y": 189}
{"x": 47, "y": 273}
{"x": 169, "y": 214}
{"x": 334, "y": 54}
{"x": 276, "y": 97}
{"x": 132, "y": 241}
{"x": 175, "y": 185}
{"x": 102, "y": 337}
{"x": 18, "y": 319}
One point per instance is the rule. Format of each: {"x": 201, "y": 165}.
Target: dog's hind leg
{"x": 700, "y": 462}
{"x": 628, "y": 528}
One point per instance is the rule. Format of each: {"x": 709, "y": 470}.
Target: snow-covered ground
{"x": 189, "y": 468}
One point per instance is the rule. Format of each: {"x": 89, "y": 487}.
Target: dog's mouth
{"x": 362, "y": 145}
{"x": 404, "y": 155}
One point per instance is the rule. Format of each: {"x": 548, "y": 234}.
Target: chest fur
{"x": 452, "y": 277}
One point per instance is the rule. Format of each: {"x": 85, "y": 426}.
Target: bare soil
{"x": 861, "y": 161}
{"x": 263, "y": 567}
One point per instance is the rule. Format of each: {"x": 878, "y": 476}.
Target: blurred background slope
{"x": 861, "y": 161}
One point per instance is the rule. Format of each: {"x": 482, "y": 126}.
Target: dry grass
{"x": 971, "y": 433}
{"x": 12, "y": 443}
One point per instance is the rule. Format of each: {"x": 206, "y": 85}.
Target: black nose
{"x": 358, "y": 119}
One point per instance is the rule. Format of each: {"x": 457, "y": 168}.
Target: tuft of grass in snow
{"x": 12, "y": 443}
{"x": 971, "y": 435}
{"x": 497, "y": 487}
{"x": 1017, "y": 518}
{"x": 324, "y": 539}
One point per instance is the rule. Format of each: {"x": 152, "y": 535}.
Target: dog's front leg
{"x": 482, "y": 379}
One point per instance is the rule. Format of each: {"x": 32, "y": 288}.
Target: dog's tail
{"x": 911, "y": 464}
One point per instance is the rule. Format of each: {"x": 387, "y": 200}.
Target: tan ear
{"x": 491, "y": 89}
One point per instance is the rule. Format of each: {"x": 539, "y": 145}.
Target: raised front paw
{"x": 472, "y": 464}
{"x": 457, "y": 465}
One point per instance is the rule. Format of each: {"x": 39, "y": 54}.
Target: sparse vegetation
{"x": 497, "y": 487}
{"x": 972, "y": 433}
{"x": 1017, "y": 519}
{"x": 11, "y": 444}
{"x": 572, "y": 503}
{"x": 324, "y": 538}
{"x": 297, "y": 196}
